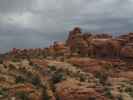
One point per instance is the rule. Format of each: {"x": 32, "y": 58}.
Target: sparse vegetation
{"x": 92, "y": 98}
{"x": 3, "y": 92}
{"x": 120, "y": 98}
{"x": 45, "y": 94}
{"x": 1, "y": 61}
{"x": 15, "y": 60}
{"x": 108, "y": 66}
{"x": 22, "y": 95}
{"x": 52, "y": 68}
{"x": 102, "y": 77}
{"x": 129, "y": 90}
{"x": 82, "y": 78}
{"x": 20, "y": 79}
{"x": 36, "y": 81}
{"x": 108, "y": 93}
{"x": 57, "y": 77}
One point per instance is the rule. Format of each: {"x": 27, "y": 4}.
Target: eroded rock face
{"x": 104, "y": 47}
{"x": 99, "y": 45}
{"x": 77, "y": 43}
{"x": 75, "y": 33}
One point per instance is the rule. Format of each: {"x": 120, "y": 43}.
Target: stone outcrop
{"x": 99, "y": 45}
{"x": 76, "y": 42}
{"x": 104, "y": 47}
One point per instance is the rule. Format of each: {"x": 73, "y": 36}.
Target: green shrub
{"x": 108, "y": 93}
{"x": 36, "y": 81}
{"x": 45, "y": 94}
{"x": 108, "y": 67}
{"x": 129, "y": 90}
{"x": 52, "y": 68}
{"x": 57, "y": 77}
{"x": 15, "y": 60}
{"x": 102, "y": 77}
{"x": 20, "y": 79}
{"x": 1, "y": 61}
{"x": 22, "y": 95}
{"x": 3, "y": 92}
{"x": 82, "y": 78}
{"x": 92, "y": 98}
{"x": 120, "y": 98}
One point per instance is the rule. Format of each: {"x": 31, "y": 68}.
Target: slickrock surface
{"x": 87, "y": 66}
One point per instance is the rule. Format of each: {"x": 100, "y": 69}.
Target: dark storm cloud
{"x": 37, "y": 23}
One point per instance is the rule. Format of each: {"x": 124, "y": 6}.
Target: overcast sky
{"x": 36, "y": 23}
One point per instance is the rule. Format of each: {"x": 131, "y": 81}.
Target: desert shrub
{"x": 57, "y": 97}
{"x": 102, "y": 77}
{"x": 57, "y": 77}
{"x": 1, "y": 61}
{"x": 82, "y": 77}
{"x": 52, "y": 68}
{"x": 92, "y": 56}
{"x": 45, "y": 95}
{"x": 36, "y": 81}
{"x": 120, "y": 98}
{"x": 108, "y": 93}
{"x": 15, "y": 60}
{"x": 129, "y": 90}
{"x": 30, "y": 63}
{"x": 22, "y": 95}
{"x": 20, "y": 79}
{"x": 108, "y": 67}
{"x": 3, "y": 92}
{"x": 92, "y": 98}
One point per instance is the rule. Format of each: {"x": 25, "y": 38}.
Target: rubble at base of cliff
{"x": 87, "y": 66}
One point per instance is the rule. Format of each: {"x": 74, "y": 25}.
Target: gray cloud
{"x": 36, "y": 23}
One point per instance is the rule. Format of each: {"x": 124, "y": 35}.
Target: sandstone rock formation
{"x": 88, "y": 66}
{"x": 82, "y": 45}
